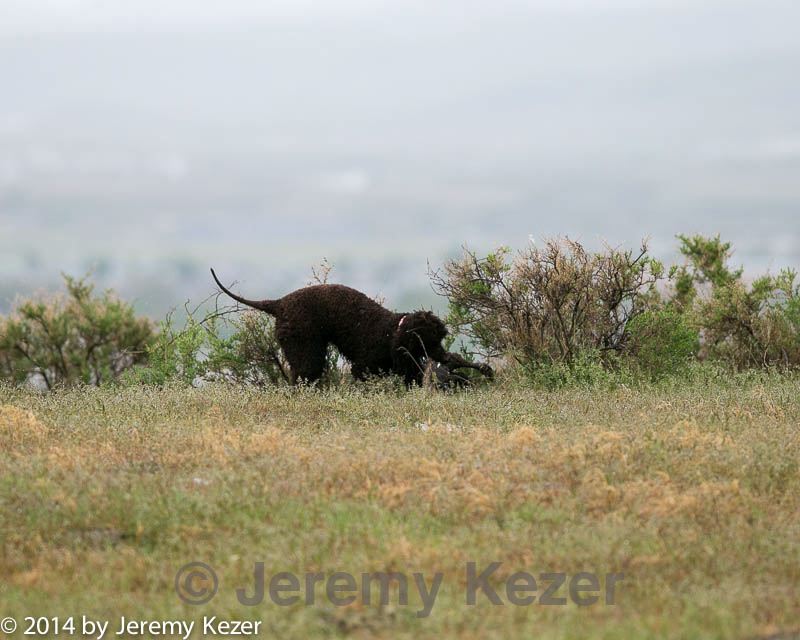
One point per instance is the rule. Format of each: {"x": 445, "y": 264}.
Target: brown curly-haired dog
{"x": 373, "y": 339}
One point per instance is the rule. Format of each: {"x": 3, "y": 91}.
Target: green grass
{"x": 691, "y": 489}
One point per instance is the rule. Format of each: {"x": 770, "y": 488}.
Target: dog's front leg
{"x": 456, "y": 361}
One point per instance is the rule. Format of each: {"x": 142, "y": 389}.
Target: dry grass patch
{"x": 692, "y": 492}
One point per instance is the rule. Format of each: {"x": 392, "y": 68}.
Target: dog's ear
{"x": 407, "y": 348}
{"x": 419, "y": 332}
{"x": 406, "y": 341}
{"x": 418, "y": 335}
{"x": 404, "y": 332}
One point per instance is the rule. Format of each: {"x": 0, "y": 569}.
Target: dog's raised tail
{"x": 262, "y": 305}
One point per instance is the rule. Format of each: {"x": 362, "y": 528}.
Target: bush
{"x": 745, "y": 326}
{"x": 250, "y": 354}
{"x": 222, "y": 347}
{"x": 242, "y": 350}
{"x": 74, "y": 338}
{"x": 661, "y": 343}
{"x": 562, "y": 312}
{"x": 174, "y": 355}
{"x": 549, "y": 305}
{"x": 706, "y": 263}
{"x": 589, "y": 369}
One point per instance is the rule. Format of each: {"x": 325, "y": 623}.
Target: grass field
{"x": 691, "y": 490}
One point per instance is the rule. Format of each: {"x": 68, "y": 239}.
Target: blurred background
{"x": 147, "y": 140}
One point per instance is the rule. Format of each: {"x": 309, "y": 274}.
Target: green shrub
{"x": 174, "y": 355}
{"x": 661, "y": 343}
{"x": 242, "y": 350}
{"x": 222, "y": 346}
{"x": 74, "y": 338}
{"x": 549, "y": 305}
{"x": 744, "y": 326}
{"x": 250, "y": 354}
{"x": 588, "y": 369}
{"x": 706, "y": 263}
{"x": 563, "y": 314}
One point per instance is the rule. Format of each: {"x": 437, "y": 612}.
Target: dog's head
{"x": 418, "y": 335}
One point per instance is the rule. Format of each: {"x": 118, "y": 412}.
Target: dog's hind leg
{"x": 306, "y": 359}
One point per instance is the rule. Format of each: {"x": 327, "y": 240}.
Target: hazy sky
{"x": 154, "y": 137}
{"x": 41, "y": 15}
